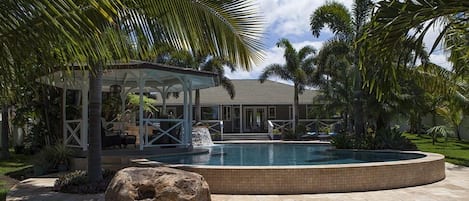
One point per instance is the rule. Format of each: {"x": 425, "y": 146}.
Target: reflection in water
{"x": 281, "y": 154}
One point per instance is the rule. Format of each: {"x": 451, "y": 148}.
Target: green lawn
{"x": 15, "y": 163}
{"x": 456, "y": 152}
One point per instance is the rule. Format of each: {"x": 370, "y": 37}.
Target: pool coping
{"x": 299, "y": 179}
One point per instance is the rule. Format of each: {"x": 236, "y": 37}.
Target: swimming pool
{"x": 298, "y": 168}
{"x": 280, "y": 154}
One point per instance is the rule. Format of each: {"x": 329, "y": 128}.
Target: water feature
{"x": 201, "y": 136}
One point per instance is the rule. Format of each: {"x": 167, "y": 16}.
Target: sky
{"x": 290, "y": 19}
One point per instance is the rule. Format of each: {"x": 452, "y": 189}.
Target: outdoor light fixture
{"x": 115, "y": 88}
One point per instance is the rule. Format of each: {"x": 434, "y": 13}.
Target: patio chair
{"x": 110, "y": 138}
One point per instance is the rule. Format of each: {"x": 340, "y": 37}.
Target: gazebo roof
{"x": 128, "y": 75}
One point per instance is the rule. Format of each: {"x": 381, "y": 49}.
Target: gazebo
{"x": 134, "y": 77}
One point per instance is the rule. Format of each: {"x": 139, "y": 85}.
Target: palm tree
{"x": 297, "y": 69}
{"x": 333, "y": 70}
{"x": 348, "y": 27}
{"x": 93, "y": 32}
{"x": 30, "y": 34}
{"x": 395, "y": 20}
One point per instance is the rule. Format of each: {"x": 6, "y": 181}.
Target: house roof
{"x": 129, "y": 74}
{"x": 250, "y": 92}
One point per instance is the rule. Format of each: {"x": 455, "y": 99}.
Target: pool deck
{"x": 454, "y": 188}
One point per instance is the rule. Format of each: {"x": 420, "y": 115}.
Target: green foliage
{"x": 384, "y": 139}
{"x": 77, "y": 182}
{"x": 288, "y": 134}
{"x": 343, "y": 141}
{"x": 438, "y": 131}
{"x": 148, "y": 103}
{"x": 393, "y": 139}
{"x": 50, "y": 157}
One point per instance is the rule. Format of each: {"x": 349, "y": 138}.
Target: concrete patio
{"x": 454, "y": 187}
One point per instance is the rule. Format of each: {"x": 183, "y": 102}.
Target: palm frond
{"x": 334, "y": 15}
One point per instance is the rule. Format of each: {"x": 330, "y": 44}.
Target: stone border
{"x": 318, "y": 178}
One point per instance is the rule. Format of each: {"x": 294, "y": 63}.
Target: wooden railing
{"x": 312, "y": 125}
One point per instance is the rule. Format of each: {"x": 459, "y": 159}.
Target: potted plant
{"x": 276, "y": 134}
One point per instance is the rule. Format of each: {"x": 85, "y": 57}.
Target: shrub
{"x": 343, "y": 141}
{"x": 77, "y": 182}
{"x": 393, "y": 139}
{"x": 383, "y": 139}
{"x": 49, "y": 158}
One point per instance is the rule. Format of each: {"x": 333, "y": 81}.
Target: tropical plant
{"x": 438, "y": 131}
{"x": 395, "y": 21}
{"x": 348, "y": 28}
{"x": 298, "y": 69}
{"x": 98, "y": 32}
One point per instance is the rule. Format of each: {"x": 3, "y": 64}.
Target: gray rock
{"x": 157, "y": 184}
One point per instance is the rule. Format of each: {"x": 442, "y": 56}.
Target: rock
{"x": 201, "y": 136}
{"x": 157, "y": 184}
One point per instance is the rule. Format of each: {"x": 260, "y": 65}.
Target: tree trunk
{"x": 197, "y": 106}
{"x": 357, "y": 100}
{"x": 5, "y": 154}
{"x": 94, "y": 131}
{"x": 295, "y": 109}
{"x": 457, "y": 131}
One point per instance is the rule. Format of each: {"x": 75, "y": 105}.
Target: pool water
{"x": 280, "y": 155}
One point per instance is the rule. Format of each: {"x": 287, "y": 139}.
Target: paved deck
{"x": 454, "y": 188}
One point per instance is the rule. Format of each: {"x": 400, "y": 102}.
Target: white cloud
{"x": 285, "y": 17}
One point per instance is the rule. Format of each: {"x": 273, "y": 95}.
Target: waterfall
{"x": 201, "y": 136}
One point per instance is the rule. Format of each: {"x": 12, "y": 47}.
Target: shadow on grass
{"x": 458, "y": 161}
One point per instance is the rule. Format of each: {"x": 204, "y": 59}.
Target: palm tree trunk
{"x": 197, "y": 106}
{"x": 5, "y": 154}
{"x": 94, "y": 151}
{"x": 295, "y": 109}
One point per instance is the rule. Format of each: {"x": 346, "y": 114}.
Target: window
{"x": 227, "y": 113}
{"x": 210, "y": 113}
{"x": 272, "y": 112}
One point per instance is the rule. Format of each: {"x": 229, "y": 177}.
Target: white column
{"x": 241, "y": 118}
{"x": 185, "y": 136}
{"x": 189, "y": 139}
{"x": 64, "y": 114}
{"x": 141, "y": 127}
{"x": 84, "y": 111}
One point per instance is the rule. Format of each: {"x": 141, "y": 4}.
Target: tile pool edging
{"x": 318, "y": 178}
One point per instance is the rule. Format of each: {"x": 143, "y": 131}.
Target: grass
{"x": 15, "y": 163}
{"x": 456, "y": 152}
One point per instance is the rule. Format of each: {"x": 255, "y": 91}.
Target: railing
{"x": 72, "y": 135}
{"x": 310, "y": 124}
{"x": 214, "y": 126}
{"x": 174, "y": 132}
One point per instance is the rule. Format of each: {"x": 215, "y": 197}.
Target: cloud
{"x": 285, "y": 17}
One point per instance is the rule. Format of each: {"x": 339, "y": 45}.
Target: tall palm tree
{"x": 230, "y": 29}
{"x": 94, "y": 33}
{"x": 333, "y": 70}
{"x": 348, "y": 27}
{"x": 298, "y": 69}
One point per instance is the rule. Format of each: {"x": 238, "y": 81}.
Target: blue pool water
{"x": 281, "y": 154}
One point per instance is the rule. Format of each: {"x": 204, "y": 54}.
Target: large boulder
{"x": 158, "y": 184}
